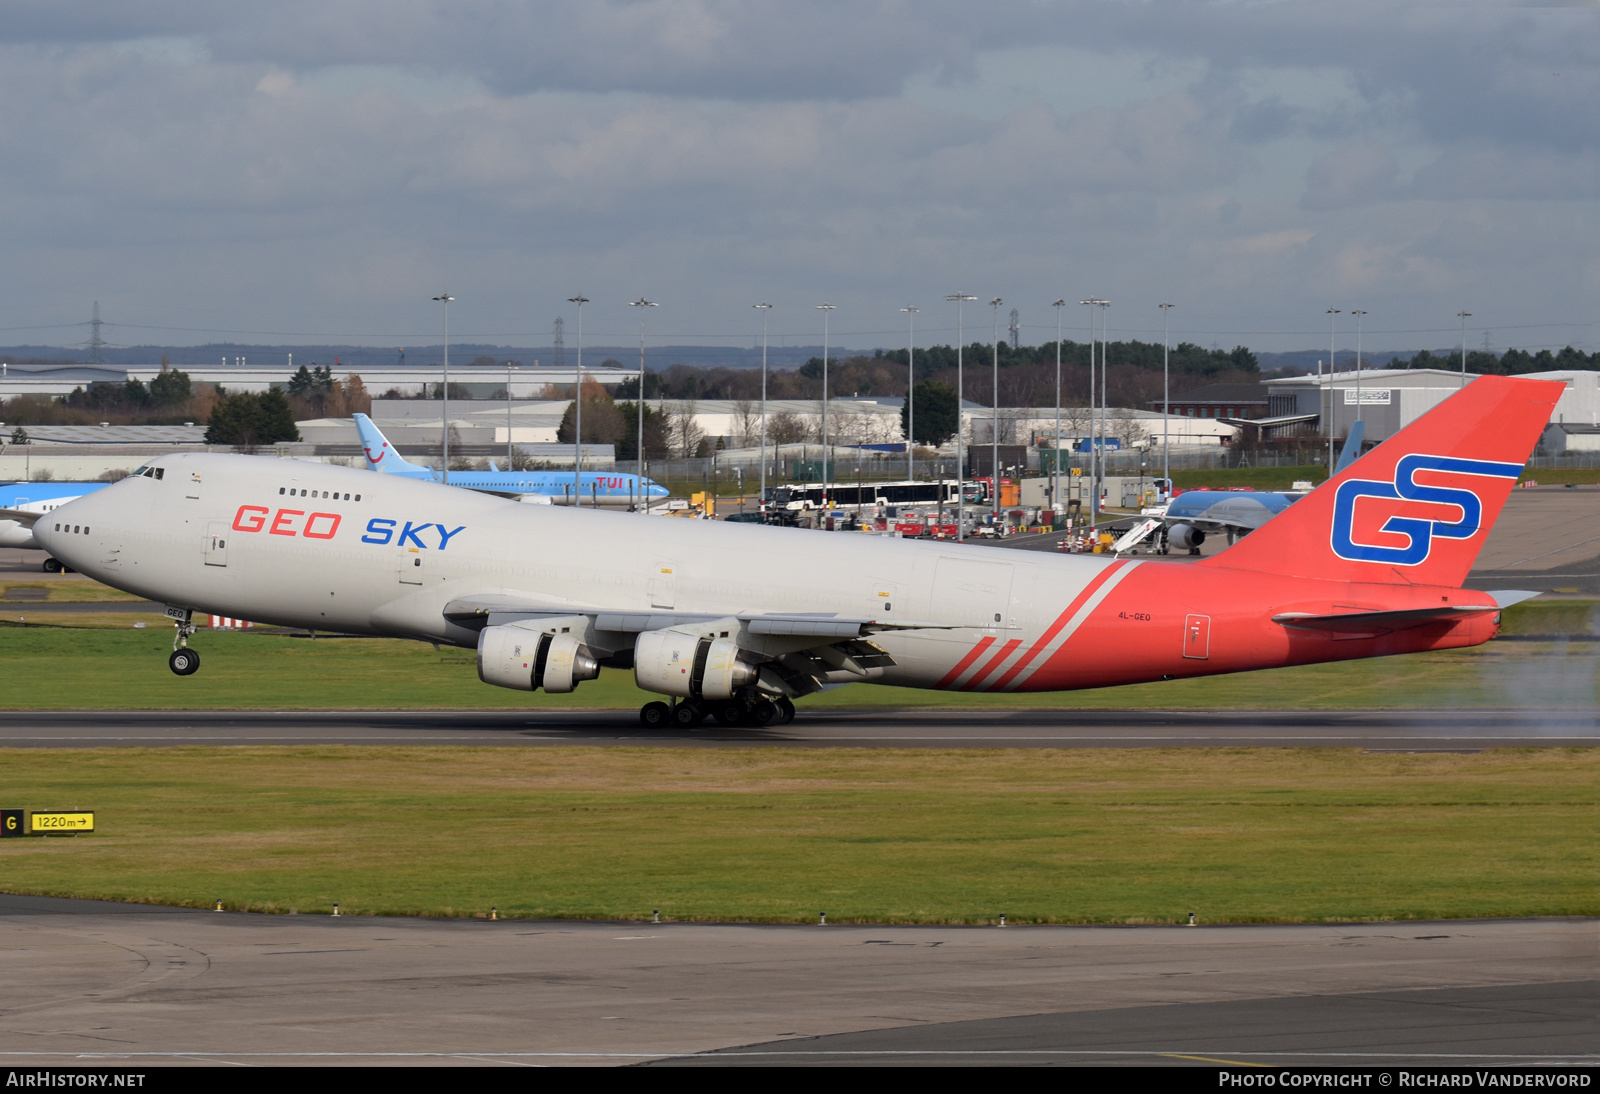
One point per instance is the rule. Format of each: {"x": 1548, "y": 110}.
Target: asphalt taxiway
{"x": 1397, "y": 730}
{"x": 95, "y": 983}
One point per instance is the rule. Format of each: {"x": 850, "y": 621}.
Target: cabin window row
{"x": 73, "y": 528}
{"x": 312, "y": 493}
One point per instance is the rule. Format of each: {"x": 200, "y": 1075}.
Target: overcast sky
{"x": 321, "y": 169}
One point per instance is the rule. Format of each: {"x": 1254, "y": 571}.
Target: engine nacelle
{"x": 690, "y": 666}
{"x": 525, "y": 658}
{"x": 1185, "y": 537}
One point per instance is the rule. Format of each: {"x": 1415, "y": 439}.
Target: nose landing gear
{"x": 184, "y": 661}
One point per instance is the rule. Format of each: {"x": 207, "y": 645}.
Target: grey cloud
{"x": 1354, "y": 173}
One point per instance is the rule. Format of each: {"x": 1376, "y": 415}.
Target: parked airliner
{"x": 600, "y": 489}
{"x": 23, "y": 503}
{"x": 737, "y": 620}
{"x": 1195, "y": 514}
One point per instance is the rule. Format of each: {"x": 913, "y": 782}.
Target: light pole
{"x": 1094, "y": 499}
{"x": 994, "y": 427}
{"x": 641, "y": 304}
{"x": 1166, "y": 399}
{"x": 1105, "y": 395}
{"x": 1465, "y": 315}
{"x": 1360, "y": 409}
{"x": 960, "y": 299}
{"x": 1055, "y": 462}
{"x": 763, "y": 309}
{"x": 577, "y": 406}
{"x": 509, "y": 460}
{"x": 825, "y": 308}
{"x": 911, "y": 383}
{"x": 444, "y": 388}
{"x": 1333, "y": 426}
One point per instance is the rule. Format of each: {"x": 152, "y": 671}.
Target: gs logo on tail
{"x": 1419, "y": 532}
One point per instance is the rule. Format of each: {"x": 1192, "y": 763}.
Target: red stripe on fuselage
{"x": 961, "y": 666}
{"x": 1061, "y": 621}
{"x": 994, "y": 663}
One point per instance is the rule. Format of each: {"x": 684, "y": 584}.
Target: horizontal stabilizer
{"x": 1363, "y": 622}
{"x": 1507, "y": 597}
{"x": 27, "y": 520}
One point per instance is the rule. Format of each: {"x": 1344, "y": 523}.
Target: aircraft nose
{"x": 68, "y": 531}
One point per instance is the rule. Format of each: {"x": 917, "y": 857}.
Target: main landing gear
{"x": 757, "y": 711}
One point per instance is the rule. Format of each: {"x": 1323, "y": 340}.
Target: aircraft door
{"x": 972, "y": 593}
{"x": 411, "y": 566}
{"x": 664, "y": 583}
{"x": 1197, "y": 637}
{"x": 881, "y": 599}
{"x": 1022, "y": 600}
{"x": 217, "y": 543}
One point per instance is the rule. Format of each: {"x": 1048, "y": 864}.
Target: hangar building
{"x": 1388, "y": 400}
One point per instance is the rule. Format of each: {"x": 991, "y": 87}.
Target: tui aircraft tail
{"x": 1417, "y": 508}
{"x": 381, "y": 456}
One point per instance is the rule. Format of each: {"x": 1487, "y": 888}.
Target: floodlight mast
{"x": 960, "y": 299}
{"x": 911, "y": 383}
{"x": 994, "y": 427}
{"x": 1096, "y": 443}
{"x": 577, "y": 407}
{"x": 763, "y": 308}
{"x": 1055, "y": 463}
{"x": 1105, "y": 399}
{"x": 1166, "y": 399}
{"x": 444, "y": 389}
{"x": 641, "y": 304}
{"x": 1333, "y": 425}
{"x": 509, "y": 458}
{"x": 1464, "y": 316}
{"x": 825, "y": 308}
{"x": 1360, "y": 407}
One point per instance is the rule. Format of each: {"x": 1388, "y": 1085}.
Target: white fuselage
{"x": 286, "y": 542}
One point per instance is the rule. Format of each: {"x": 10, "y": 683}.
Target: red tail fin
{"x": 1416, "y": 509}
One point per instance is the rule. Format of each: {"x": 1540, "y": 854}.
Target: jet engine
{"x": 526, "y": 658}
{"x": 1185, "y": 537}
{"x": 689, "y": 665}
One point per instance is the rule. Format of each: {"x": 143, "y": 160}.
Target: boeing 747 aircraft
{"x": 605, "y": 489}
{"x": 737, "y": 620}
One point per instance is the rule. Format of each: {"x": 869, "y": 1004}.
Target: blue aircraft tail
{"x": 1352, "y": 446}
{"x": 381, "y": 455}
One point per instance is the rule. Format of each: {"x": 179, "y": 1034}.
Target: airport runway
{"x": 1398, "y": 730}
{"x": 136, "y": 986}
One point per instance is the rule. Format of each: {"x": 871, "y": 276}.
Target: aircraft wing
{"x": 491, "y": 610}
{"x": 27, "y": 520}
{"x": 803, "y": 651}
{"x": 528, "y": 496}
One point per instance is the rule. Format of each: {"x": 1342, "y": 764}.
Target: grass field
{"x": 779, "y": 835}
{"x": 79, "y": 667}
